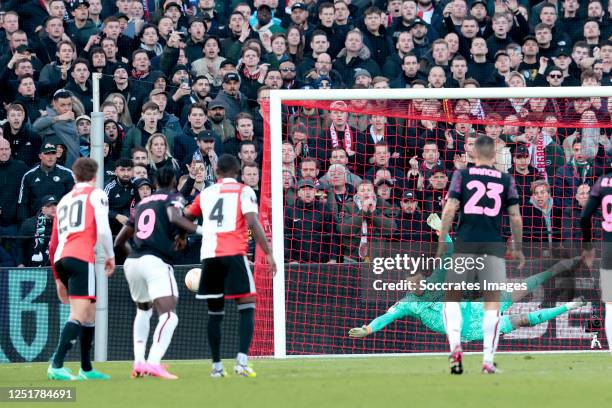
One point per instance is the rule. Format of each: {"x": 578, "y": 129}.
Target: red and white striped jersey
{"x": 81, "y": 219}
{"x": 222, "y": 207}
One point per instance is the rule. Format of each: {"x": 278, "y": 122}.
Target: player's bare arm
{"x": 516, "y": 226}
{"x": 183, "y": 222}
{"x": 586, "y": 224}
{"x": 122, "y": 238}
{"x": 448, "y": 215}
{"x": 260, "y": 238}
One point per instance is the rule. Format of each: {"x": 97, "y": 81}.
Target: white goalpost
{"x": 277, "y": 97}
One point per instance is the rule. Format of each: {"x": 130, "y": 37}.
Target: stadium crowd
{"x": 184, "y": 81}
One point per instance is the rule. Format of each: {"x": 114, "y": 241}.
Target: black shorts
{"x": 228, "y": 277}
{"x": 78, "y": 276}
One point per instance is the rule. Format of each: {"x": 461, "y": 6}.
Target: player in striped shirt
{"x": 228, "y": 209}
{"x": 81, "y": 222}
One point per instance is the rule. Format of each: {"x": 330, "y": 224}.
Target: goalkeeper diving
{"x": 427, "y": 306}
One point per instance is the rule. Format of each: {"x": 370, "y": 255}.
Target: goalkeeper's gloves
{"x": 359, "y": 332}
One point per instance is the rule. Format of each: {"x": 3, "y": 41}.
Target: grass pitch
{"x": 536, "y": 380}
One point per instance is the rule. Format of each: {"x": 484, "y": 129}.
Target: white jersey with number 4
{"x": 222, "y": 207}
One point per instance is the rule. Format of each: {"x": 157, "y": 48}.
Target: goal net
{"x": 405, "y": 145}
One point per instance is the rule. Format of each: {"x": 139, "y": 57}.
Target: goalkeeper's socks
{"x": 608, "y": 323}
{"x": 536, "y": 280}
{"x": 246, "y": 326}
{"x": 87, "y": 335}
{"x": 142, "y": 325}
{"x": 453, "y": 323}
{"x": 162, "y": 337}
{"x": 214, "y": 334}
{"x": 490, "y": 330}
{"x": 544, "y": 315}
{"x": 70, "y": 332}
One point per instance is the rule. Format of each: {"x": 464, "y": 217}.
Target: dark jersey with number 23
{"x": 483, "y": 193}
{"x": 601, "y": 194}
{"x": 153, "y": 231}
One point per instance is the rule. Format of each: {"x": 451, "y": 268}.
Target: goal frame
{"x": 278, "y": 96}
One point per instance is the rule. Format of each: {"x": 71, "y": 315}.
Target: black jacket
{"x": 39, "y": 182}
{"x": 311, "y": 235}
{"x": 33, "y": 248}
{"x": 85, "y": 96}
{"x": 11, "y": 173}
{"x": 25, "y": 145}
{"x": 119, "y": 198}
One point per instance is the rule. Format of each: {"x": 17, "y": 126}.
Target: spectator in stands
{"x": 310, "y": 169}
{"x": 139, "y": 135}
{"x": 192, "y": 183}
{"x": 46, "y": 178}
{"x": 244, "y": 133}
{"x": 339, "y": 156}
{"x": 546, "y": 155}
{"x": 11, "y": 173}
{"x": 231, "y": 97}
{"x": 206, "y": 154}
{"x": 541, "y": 218}
{"x": 304, "y": 147}
{"x": 435, "y": 192}
{"x": 250, "y": 177}
{"x": 220, "y": 124}
{"x": 410, "y": 71}
{"x": 382, "y": 160}
{"x": 34, "y": 250}
{"x": 29, "y": 97}
{"x": 355, "y": 55}
{"x": 25, "y": 145}
{"x": 59, "y": 120}
{"x": 493, "y": 129}
{"x": 579, "y": 170}
{"x": 411, "y": 222}
{"x": 120, "y": 194}
{"x": 160, "y": 155}
{"x": 247, "y": 153}
{"x": 310, "y": 226}
{"x": 364, "y": 219}
{"x": 571, "y": 216}
{"x": 338, "y": 190}
{"x": 523, "y": 172}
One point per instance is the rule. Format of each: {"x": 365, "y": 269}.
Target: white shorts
{"x": 149, "y": 278}
{"x": 605, "y": 281}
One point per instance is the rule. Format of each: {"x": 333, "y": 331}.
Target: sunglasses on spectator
{"x": 555, "y": 76}
{"x": 288, "y": 69}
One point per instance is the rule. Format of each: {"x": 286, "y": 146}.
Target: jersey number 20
{"x": 70, "y": 217}
{"x": 492, "y": 190}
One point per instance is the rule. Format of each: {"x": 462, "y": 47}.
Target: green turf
{"x": 552, "y": 380}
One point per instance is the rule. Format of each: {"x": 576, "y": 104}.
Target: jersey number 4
{"x": 492, "y": 190}
{"x": 216, "y": 214}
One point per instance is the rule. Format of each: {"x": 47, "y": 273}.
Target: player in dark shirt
{"x": 601, "y": 195}
{"x": 482, "y": 193}
{"x": 157, "y": 221}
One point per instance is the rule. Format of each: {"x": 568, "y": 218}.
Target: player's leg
{"x": 534, "y": 281}
{"x": 453, "y": 319}
{"x": 212, "y": 289}
{"x": 605, "y": 282}
{"x": 135, "y": 275}
{"x": 240, "y": 285}
{"x": 538, "y": 316}
{"x": 494, "y": 272}
{"x": 163, "y": 289}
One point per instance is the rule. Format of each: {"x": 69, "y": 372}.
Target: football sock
{"x": 608, "y": 323}
{"x": 214, "y": 334}
{"x": 544, "y": 315}
{"x": 452, "y": 323}
{"x": 70, "y": 332}
{"x": 162, "y": 337}
{"x": 537, "y": 279}
{"x": 87, "y": 336}
{"x": 490, "y": 329}
{"x": 142, "y": 325}
{"x": 246, "y": 326}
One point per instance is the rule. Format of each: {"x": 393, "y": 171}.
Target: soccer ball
{"x": 192, "y": 279}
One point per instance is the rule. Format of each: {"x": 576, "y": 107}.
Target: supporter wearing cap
{"x": 221, "y": 125}
{"x": 47, "y": 178}
{"x": 420, "y": 30}
{"x": 502, "y": 70}
{"x": 230, "y": 96}
{"x": 299, "y": 16}
{"x": 311, "y": 225}
{"x": 355, "y": 55}
{"x": 196, "y": 28}
{"x": 168, "y": 120}
{"x": 523, "y": 172}
{"x": 435, "y": 191}
{"x": 363, "y": 77}
{"x": 33, "y": 251}
{"x": 174, "y": 10}
{"x": 81, "y": 29}
{"x": 206, "y": 154}
{"x": 530, "y": 65}
{"x": 411, "y": 222}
